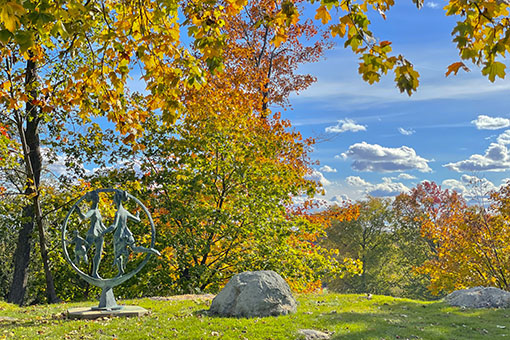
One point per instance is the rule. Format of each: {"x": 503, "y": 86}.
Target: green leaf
{"x": 452, "y": 9}
{"x": 25, "y": 40}
{"x": 59, "y": 29}
{"x": 406, "y": 79}
{"x": 5, "y": 35}
{"x": 46, "y": 18}
{"x": 494, "y": 69}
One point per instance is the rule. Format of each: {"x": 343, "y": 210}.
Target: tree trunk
{"x": 33, "y": 143}
{"x": 32, "y": 212}
{"x": 22, "y": 258}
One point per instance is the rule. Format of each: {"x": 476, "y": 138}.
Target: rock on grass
{"x": 254, "y": 294}
{"x": 479, "y": 297}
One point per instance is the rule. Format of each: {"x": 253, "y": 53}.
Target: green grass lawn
{"x": 346, "y": 316}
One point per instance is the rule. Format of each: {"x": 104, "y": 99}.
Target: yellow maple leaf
{"x": 237, "y": 4}
{"x": 323, "y": 15}
{"x": 9, "y": 15}
{"x": 279, "y": 37}
{"x": 339, "y": 29}
{"x": 10, "y": 21}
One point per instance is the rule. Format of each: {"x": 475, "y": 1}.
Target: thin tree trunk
{"x": 32, "y": 140}
{"x": 31, "y": 213}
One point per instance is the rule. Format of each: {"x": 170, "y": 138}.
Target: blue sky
{"x": 374, "y": 140}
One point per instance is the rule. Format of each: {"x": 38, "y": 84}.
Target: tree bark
{"x": 32, "y": 215}
{"x": 22, "y": 259}
{"x": 33, "y": 143}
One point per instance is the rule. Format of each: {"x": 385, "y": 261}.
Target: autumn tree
{"x": 220, "y": 184}
{"x": 470, "y": 242}
{"x": 68, "y": 62}
{"x": 261, "y": 60}
{"x": 222, "y": 179}
{"x": 220, "y": 189}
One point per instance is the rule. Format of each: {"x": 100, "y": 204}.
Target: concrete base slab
{"x": 90, "y": 313}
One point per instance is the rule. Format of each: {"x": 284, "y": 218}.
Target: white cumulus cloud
{"x": 496, "y": 158}
{"x": 504, "y": 138}
{"x": 406, "y": 176}
{"x": 454, "y": 184}
{"x": 339, "y": 199}
{"x": 356, "y": 181}
{"x": 318, "y": 177}
{"x": 471, "y": 187}
{"x": 376, "y": 158}
{"x": 484, "y": 122}
{"x": 345, "y": 125}
{"x": 387, "y": 188}
{"x": 327, "y": 168}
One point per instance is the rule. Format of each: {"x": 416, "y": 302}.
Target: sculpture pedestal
{"x": 94, "y": 313}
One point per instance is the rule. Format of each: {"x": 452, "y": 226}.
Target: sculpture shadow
{"x": 52, "y": 320}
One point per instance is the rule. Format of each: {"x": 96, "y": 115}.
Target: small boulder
{"x": 312, "y": 334}
{"x": 479, "y": 297}
{"x": 254, "y": 294}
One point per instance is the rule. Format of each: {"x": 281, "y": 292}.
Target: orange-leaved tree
{"x": 221, "y": 183}
{"x": 248, "y": 162}
{"x": 470, "y": 243}
{"x": 263, "y": 65}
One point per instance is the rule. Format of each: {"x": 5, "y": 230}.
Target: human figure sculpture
{"x": 80, "y": 248}
{"x": 123, "y": 242}
{"x": 123, "y": 239}
{"x": 96, "y": 231}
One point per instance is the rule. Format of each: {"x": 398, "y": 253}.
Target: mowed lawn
{"x": 343, "y": 316}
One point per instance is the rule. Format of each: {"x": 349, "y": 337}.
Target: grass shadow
{"x": 404, "y": 320}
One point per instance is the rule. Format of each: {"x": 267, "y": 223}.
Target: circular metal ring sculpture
{"x": 123, "y": 242}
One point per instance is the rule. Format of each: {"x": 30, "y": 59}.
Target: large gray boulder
{"x": 254, "y": 294}
{"x": 479, "y": 297}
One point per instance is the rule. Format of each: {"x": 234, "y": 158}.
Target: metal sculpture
{"x": 123, "y": 242}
